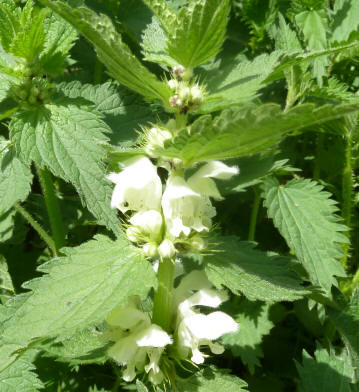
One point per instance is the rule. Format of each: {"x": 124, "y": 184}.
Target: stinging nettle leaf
{"x": 79, "y": 290}
{"x": 70, "y": 141}
{"x": 6, "y": 286}
{"x": 305, "y": 216}
{"x": 166, "y": 15}
{"x": 258, "y": 275}
{"x": 345, "y": 21}
{"x": 111, "y": 50}
{"x": 198, "y": 32}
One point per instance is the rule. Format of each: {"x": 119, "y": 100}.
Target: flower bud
{"x": 196, "y": 94}
{"x": 166, "y": 250}
{"x": 197, "y": 243}
{"x": 176, "y": 101}
{"x": 173, "y": 83}
{"x": 149, "y": 223}
{"x": 149, "y": 250}
{"x": 178, "y": 71}
{"x": 133, "y": 234}
{"x": 184, "y": 93}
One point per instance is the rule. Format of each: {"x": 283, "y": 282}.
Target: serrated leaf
{"x": 79, "y": 290}
{"x": 305, "y": 216}
{"x": 326, "y": 372}
{"x": 70, "y": 141}
{"x": 247, "y": 131}
{"x": 254, "y": 322}
{"x": 237, "y": 81}
{"x": 198, "y": 32}
{"x": 345, "y": 21}
{"x": 6, "y": 286}
{"x": 20, "y": 376}
{"x": 346, "y": 320}
{"x": 212, "y": 380}
{"x": 164, "y": 13}
{"x": 9, "y": 25}
{"x": 111, "y": 50}
{"x": 15, "y": 179}
{"x": 140, "y": 386}
{"x": 153, "y": 45}
{"x": 258, "y": 275}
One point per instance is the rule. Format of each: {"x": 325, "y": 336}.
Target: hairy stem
{"x": 347, "y": 192}
{"x": 98, "y": 72}
{"x": 254, "y": 214}
{"x": 37, "y": 227}
{"x": 162, "y": 306}
{"x": 53, "y": 208}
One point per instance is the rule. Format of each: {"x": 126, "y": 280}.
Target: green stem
{"x": 254, "y": 214}
{"x": 181, "y": 121}
{"x": 53, "y": 208}
{"x": 162, "y": 306}
{"x": 8, "y": 113}
{"x": 318, "y": 152}
{"x": 98, "y": 72}
{"x": 37, "y": 227}
{"x": 347, "y": 192}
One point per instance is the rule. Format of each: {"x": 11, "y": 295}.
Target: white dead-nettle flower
{"x": 173, "y": 84}
{"x": 138, "y": 186}
{"x": 194, "y": 329}
{"x": 178, "y": 71}
{"x": 148, "y": 223}
{"x": 175, "y": 101}
{"x": 185, "y": 209}
{"x": 202, "y": 182}
{"x": 166, "y": 250}
{"x": 138, "y": 343}
{"x": 156, "y": 137}
{"x": 197, "y": 94}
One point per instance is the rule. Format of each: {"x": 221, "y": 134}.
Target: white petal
{"x": 153, "y": 336}
{"x": 195, "y": 280}
{"x": 124, "y": 350}
{"x": 217, "y": 169}
{"x": 129, "y": 373}
{"x": 166, "y": 249}
{"x": 114, "y": 177}
{"x": 216, "y": 348}
{"x": 205, "y": 186}
{"x": 150, "y": 222}
{"x": 197, "y": 356}
{"x": 208, "y": 297}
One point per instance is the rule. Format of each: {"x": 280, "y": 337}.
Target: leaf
{"x": 231, "y": 84}
{"x": 346, "y": 320}
{"x": 140, "y": 386}
{"x": 254, "y": 323}
{"x": 325, "y": 373}
{"x": 20, "y": 376}
{"x": 198, "y": 32}
{"x": 70, "y": 141}
{"x": 79, "y": 290}
{"x": 247, "y": 131}
{"x": 111, "y": 50}
{"x": 164, "y": 13}
{"x": 154, "y": 45}
{"x": 345, "y": 21}
{"x": 15, "y": 178}
{"x": 314, "y": 25}
{"x": 9, "y": 25}
{"x": 305, "y": 216}
{"x": 211, "y": 379}
{"x": 258, "y": 275}
{"x": 6, "y": 287}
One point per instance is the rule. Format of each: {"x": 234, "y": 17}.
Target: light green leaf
{"x": 198, "y": 32}
{"x": 325, "y": 373}
{"x": 79, "y": 290}
{"x": 285, "y": 38}
{"x": 15, "y": 178}
{"x": 237, "y": 81}
{"x": 254, "y": 323}
{"x": 346, "y": 320}
{"x": 70, "y": 141}
{"x": 346, "y": 20}
{"x": 305, "y": 216}
{"x": 6, "y": 285}
{"x": 154, "y": 45}
{"x": 164, "y": 13}
{"x": 140, "y": 386}
{"x": 9, "y": 25}
{"x": 20, "y": 377}
{"x": 258, "y": 275}
{"x": 247, "y": 131}
{"x": 314, "y": 25}
{"x": 211, "y": 379}
{"x": 111, "y": 50}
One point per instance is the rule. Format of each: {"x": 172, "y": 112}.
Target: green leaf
{"x": 325, "y": 373}
{"x": 305, "y": 216}
{"x": 15, "y": 178}
{"x": 345, "y": 21}
{"x": 236, "y": 81}
{"x": 198, "y": 32}
{"x": 140, "y": 386}
{"x": 70, "y": 141}
{"x": 154, "y": 45}
{"x": 166, "y": 15}
{"x": 247, "y": 131}
{"x": 111, "y": 50}
{"x": 9, "y": 25}
{"x": 258, "y": 275}
{"x": 6, "y": 286}
{"x": 211, "y": 379}
{"x": 254, "y": 322}
{"x": 20, "y": 376}
{"x": 79, "y": 290}
{"x": 346, "y": 320}
{"x": 314, "y": 25}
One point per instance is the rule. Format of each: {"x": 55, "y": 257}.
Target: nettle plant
{"x": 149, "y": 278}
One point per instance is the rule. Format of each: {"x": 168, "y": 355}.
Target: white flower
{"x": 139, "y": 344}
{"x": 195, "y": 329}
{"x": 149, "y": 223}
{"x": 138, "y": 186}
{"x": 197, "y": 94}
{"x": 166, "y": 249}
{"x": 173, "y": 84}
{"x": 155, "y": 137}
{"x": 185, "y": 209}
{"x": 202, "y": 182}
